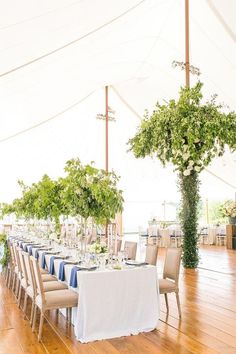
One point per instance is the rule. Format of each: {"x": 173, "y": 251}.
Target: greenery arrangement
{"x": 6, "y": 253}
{"x": 84, "y": 192}
{"x": 228, "y": 209}
{"x": 91, "y": 192}
{"x": 187, "y": 133}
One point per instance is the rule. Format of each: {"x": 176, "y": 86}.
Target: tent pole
{"x": 106, "y": 143}
{"x": 187, "y": 73}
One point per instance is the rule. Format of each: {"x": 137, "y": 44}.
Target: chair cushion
{"x": 54, "y": 285}
{"x": 166, "y": 286}
{"x": 43, "y": 271}
{"x": 48, "y": 277}
{"x": 58, "y": 299}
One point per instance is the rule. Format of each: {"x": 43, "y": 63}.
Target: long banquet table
{"x": 112, "y": 303}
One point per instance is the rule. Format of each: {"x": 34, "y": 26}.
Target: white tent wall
{"x": 133, "y": 53}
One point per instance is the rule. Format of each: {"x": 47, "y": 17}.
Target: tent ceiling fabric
{"x": 128, "y": 44}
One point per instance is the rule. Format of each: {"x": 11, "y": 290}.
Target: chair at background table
{"x": 130, "y": 248}
{"x": 151, "y": 254}
{"x": 170, "y": 281}
{"x": 204, "y": 236}
{"x": 221, "y": 237}
{"x": 50, "y": 300}
{"x": 119, "y": 242}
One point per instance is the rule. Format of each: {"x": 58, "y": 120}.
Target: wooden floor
{"x": 208, "y": 325}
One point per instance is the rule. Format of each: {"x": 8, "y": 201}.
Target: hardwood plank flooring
{"x": 208, "y": 323}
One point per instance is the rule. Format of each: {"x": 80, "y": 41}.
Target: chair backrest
{"x": 13, "y": 258}
{"x": 17, "y": 260}
{"x": 38, "y": 278}
{"x": 151, "y": 254}
{"x": 130, "y": 248}
{"x": 29, "y": 270}
{"x": 22, "y": 264}
{"x": 172, "y": 264}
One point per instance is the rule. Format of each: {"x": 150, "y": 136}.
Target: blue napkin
{"x": 51, "y": 265}
{"x": 43, "y": 261}
{"x": 73, "y": 276}
{"x": 21, "y": 244}
{"x": 61, "y": 274}
{"x": 25, "y": 247}
{"x": 37, "y": 254}
{"x": 30, "y": 250}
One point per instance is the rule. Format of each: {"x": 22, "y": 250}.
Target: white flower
{"x": 196, "y": 140}
{"x": 186, "y": 172}
{"x": 186, "y": 156}
{"x": 185, "y": 147}
{"x": 191, "y": 163}
{"x": 197, "y": 168}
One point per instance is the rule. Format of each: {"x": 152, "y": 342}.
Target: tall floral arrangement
{"x": 188, "y": 133}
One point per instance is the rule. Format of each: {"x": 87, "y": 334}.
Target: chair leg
{"x": 25, "y": 304}
{"x": 19, "y": 296}
{"x": 34, "y": 317}
{"x": 178, "y": 303}
{"x": 41, "y": 326}
{"x": 32, "y": 313}
{"x": 167, "y": 304}
{"x": 70, "y": 314}
{"x": 13, "y": 281}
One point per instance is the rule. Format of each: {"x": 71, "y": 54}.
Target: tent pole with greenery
{"x": 188, "y": 133}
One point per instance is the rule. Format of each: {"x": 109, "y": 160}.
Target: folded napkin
{"x": 51, "y": 265}
{"x": 25, "y": 247}
{"x": 30, "y": 250}
{"x": 21, "y": 244}
{"x": 61, "y": 275}
{"x": 73, "y": 276}
{"x": 43, "y": 261}
{"x": 37, "y": 254}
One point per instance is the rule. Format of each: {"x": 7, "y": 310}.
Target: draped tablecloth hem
{"x": 117, "y": 334}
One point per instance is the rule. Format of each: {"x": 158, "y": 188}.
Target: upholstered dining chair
{"x": 151, "y": 254}
{"x": 50, "y": 283}
{"x": 130, "y": 248}
{"x": 170, "y": 281}
{"x": 14, "y": 269}
{"x": 56, "y": 299}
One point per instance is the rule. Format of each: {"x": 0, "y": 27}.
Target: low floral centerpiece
{"x": 98, "y": 247}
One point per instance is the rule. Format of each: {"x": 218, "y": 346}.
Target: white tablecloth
{"x": 114, "y": 303}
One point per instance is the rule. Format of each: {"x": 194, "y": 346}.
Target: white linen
{"x": 114, "y": 303}
{"x": 117, "y": 303}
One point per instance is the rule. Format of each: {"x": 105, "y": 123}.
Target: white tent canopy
{"x": 56, "y": 58}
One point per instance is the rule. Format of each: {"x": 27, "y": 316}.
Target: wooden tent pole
{"x": 106, "y": 143}
{"x": 187, "y": 60}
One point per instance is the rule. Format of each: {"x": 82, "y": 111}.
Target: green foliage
{"x": 6, "y": 253}
{"x": 90, "y": 192}
{"x": 85, "y": 191}
{"x": 186, "y": 132}
{"x": 189, "y": 187}
{"x": 189, "y": 134}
